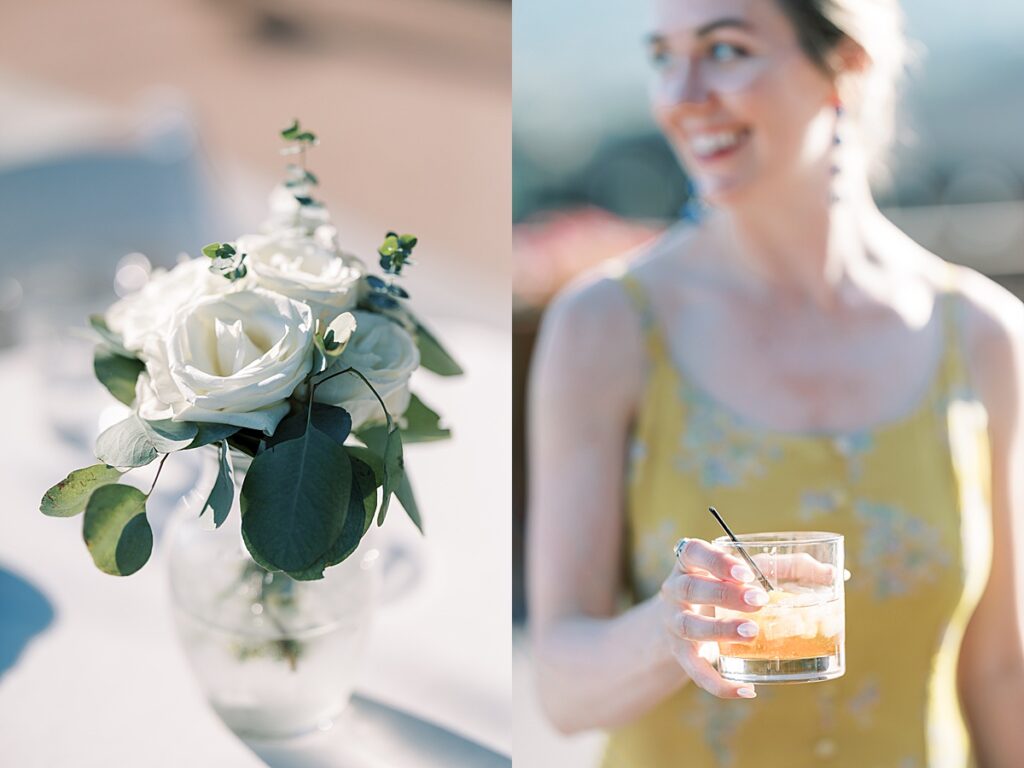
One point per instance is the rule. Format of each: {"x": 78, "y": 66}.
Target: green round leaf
{"x": 295, "y": 499}
{"x": 116, "y": 530}
{"x": 69, "y": 497}
{"x": 126, "y": 444}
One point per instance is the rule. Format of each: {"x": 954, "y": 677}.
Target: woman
{"x": 799, "y": 362}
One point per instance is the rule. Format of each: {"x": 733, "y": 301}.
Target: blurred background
{"x": 131, "y": 132}
{"x": 593, "y": 178}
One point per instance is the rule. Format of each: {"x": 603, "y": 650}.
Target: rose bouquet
{"x": 281, "y": 351}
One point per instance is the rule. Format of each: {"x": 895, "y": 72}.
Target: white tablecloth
{"x": 105, "y": 682}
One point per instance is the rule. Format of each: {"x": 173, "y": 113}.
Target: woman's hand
{"x": 705, "y": 577}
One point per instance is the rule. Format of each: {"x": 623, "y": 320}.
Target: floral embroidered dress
{"x": 912, "y": 499}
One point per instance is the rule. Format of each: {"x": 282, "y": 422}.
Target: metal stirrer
{"x": 757, "y": 571}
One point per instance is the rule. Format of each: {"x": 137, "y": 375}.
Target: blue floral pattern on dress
{"x": 717, "y": 449}
{"x": 899, "y": 552}
{"x": 719, "y": 720}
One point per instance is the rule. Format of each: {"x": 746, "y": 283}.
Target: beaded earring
{"x": 837, "y": 140}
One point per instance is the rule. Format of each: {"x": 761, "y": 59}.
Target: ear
{"x": 850, "y": 62}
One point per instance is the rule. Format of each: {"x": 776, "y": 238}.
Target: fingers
{"x": 704, "y": 675}
{"x": 698, "y": 554}
{"x": 692, "y": 588}
{"x": 688, "y": 625}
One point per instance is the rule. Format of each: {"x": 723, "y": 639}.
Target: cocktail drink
{"x": 801, "y": 631}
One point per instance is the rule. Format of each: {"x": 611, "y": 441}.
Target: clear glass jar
{"x": 275, "y": 657}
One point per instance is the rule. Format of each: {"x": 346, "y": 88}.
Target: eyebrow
{"x": 656, "y": 38}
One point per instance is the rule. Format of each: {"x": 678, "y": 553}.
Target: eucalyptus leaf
{"x": 168, "y": 436}
{"x": 208, "y": 433}
{"x": 333, "y": 421}
{"x": 69, "y": 497}
{"x": 116, "y": 530}
{"x": 117, "y": 372}
{"x": 407, "y": 499}
{"x": 291, "y": 131}
{"x": 422, "y": 423}
{"x": 433, "y": 356}
{"x": 223, "y": 491}
{"x": 126, "y": 444}
{"x": 362, "y": 503}
{"x": 295, "y": 500}
{"x": 394, "y": 471}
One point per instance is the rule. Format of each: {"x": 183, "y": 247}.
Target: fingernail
{"x": 747, "y": 629}
{"x": 746, "y": 693}
{"x": 846, "y": 575}
{"x": 755, "y": 597}
{"x": 742, "y": 573}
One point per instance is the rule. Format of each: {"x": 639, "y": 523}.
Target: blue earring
{"x": 693, "y": 209}
{"x": 836, "y": 141}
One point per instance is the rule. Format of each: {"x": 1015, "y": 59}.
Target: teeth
{"x": 705, "y": 144}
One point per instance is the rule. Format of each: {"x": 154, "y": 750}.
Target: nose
{"x": 681, "y": 85}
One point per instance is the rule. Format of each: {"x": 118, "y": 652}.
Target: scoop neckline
{"x": 923, "y": 399}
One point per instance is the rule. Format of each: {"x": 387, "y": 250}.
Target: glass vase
{"x": 274, "y": 656}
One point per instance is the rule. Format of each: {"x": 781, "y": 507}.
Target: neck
{"x": 803, "y": 244}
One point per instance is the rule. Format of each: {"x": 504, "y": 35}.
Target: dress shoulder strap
{"x": 641, "y": 302}
{"x": 955, "y": 357}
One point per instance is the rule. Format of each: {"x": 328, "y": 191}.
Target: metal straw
{"x": 757, "y": 571}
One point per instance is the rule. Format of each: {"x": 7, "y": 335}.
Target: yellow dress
{"x": 912, "y": 499}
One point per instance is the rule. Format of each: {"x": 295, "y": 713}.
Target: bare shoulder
{"x": 593, "y": 330}
{"x": 993, "y": 329}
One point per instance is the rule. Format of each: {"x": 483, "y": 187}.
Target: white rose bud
{"x": 386, "y": 355}
{"x": 305, "y": 269}
{"x": 338, "y": 333}
{"x": 232, "y": 359}
{"x": 146, "y": 313}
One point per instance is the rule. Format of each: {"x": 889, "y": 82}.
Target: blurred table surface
{"x": 91, "y": 673}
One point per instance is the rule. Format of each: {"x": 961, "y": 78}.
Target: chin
{"x": 725, "y": 193}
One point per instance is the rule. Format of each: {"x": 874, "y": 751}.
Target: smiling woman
{"x": 796, "y": 360}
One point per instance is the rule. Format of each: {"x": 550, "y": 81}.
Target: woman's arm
{"x": 595, "y": 666}
{"x": 594, "y": 669}
{"x": 992, "y": 657}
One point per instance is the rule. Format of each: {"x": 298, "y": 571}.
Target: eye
{"x": 726, "y": 53}
{"x": 660, "y": 57}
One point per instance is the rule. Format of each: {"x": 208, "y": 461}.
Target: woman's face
{"x": 741, "y": 104}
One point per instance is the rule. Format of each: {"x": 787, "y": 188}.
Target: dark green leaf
{"x": 304, "y": 200}
{"x": 362, "y": 503}
{"x": 294, "y": 501}
{"x": 407, "y": 499}
{"x": 211, "y": 433}
{"x": 310, "y": 177}
{"x": 306, "y": 136}
{"x": 291, "y": 131}
{"x": 223, "y": 491}
{"x": 69, "y": 497}
{"x": 422, "y": 423}
{"x": 116, "y": 530}
{"x": 376, "y": 282}
{"x": 117, "y": 373}
{"x": 433, "y": 356}
{"x": 126, "y": 444}
{"x": 373, "y": 460}
{"x": 168, "y": 436}
{"x": 407, "y": 241}
{"x": 334, "y": 422}
{"x": 375, "y": 439}
{"x": 394, "y": 471}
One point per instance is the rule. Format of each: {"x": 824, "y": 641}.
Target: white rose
{"x": 305, "y": 269}
{"x": 232, "y": 359}
{"x": 147, "y": 312}
{"x": 386, "y": 355}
